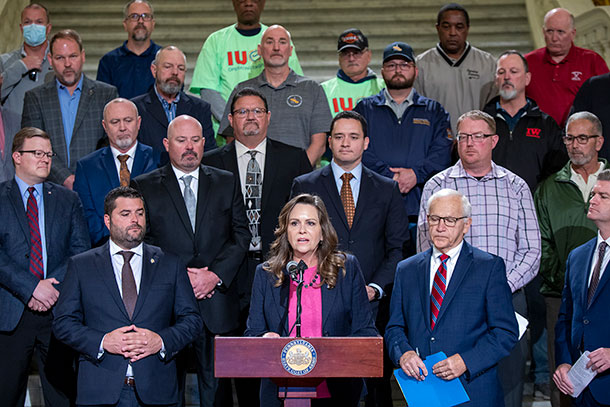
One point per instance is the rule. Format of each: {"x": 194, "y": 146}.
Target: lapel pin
{"x": 90, "y": 92}
{"x": 152, "y": 261}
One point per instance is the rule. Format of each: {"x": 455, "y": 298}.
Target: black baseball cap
{"x": 352, "y": 38}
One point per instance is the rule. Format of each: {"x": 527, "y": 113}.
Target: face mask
{"x": 34, "y": 34}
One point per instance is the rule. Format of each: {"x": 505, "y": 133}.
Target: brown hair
{"x": 25, "y": 133}
{"x": 330, "y": 260}
{"x": 66, "y": 35}
{"x": 478, "y": 115}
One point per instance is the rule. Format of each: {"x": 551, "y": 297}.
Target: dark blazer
{"x": 66, "y": 235}
{"x": 380, "y": 228}
{"x": 282, "y": 164}
{"x": 96, "y": 175}
{"x": 220, "y": 239}
{"x": 345, "y": 312}
{"x": 476, "y": 319}
{"x": 41, "y": 109}
{"x": 581, "y": 324}
{"x": 91, "y": 306}
{"x": 154, "y": 122}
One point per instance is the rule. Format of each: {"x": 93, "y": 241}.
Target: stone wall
{"x": 10, "y": 15}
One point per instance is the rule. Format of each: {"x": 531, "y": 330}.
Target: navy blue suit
{"x": 380, "y": 227}
{"x": 476, "y": 319}
{"x": 345, "y": 312}
{"x": 579, "y": 324}
{"x": 91, "y": 306}
{"x": 96, "y": 175}
{"x": 22, "y": 330}
{"x": 154, "y": 122}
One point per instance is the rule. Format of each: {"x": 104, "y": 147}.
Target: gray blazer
{"x": 41, "y": 109}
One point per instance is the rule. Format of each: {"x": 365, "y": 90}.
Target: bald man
{"x": 560, "y": 68}
{"x": 105, "y": 169}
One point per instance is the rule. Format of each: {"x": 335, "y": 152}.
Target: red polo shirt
{"x": 554, "y": 84}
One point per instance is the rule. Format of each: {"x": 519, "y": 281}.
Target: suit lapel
{"x": 269, "y": 174}
{"x": 86, "y": 97}
{"x": 280, "y": 297}
{"x": 328, "y": 302}
{"x": 17, "y": 202}
{"x": 50, "y": 208}
{"x": 184, "y": 106}
{"x": 150, "y": 259}
{"x": 156, "y": 109}
{"x": 364, "y": 195}
{"x": 460, "y": 270}
{"x": 51, "y": 104}
{"x": 138, "y": 162}
{"x": 423, "y": 276}
{"x": 328, "y": 180}
{"x": 110, "y": 167}
{"x": 106, "y": 272}
{"x": 170, "y": 183}
{"x": 202, "y": 196}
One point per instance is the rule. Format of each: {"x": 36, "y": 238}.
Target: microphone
{"x": 33, "y": 74}
{"x": 293, "y": 268}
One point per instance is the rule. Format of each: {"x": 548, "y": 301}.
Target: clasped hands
{"x": 132, "y": 342}
{"x": 447, "y": 369}
{"x": 405, "y": 177}
{"x": 44, "y": 295}
{"x": 203, "y": 282}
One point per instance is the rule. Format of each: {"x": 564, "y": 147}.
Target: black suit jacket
{"x": 154, "y": 122}
{"x": 380, "y": 227}
{"x": 220, "y": 239}
{"x": 91, "y": 306}
{"x": 282, "y": 164}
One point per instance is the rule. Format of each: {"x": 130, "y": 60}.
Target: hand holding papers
{"x": 580, "y": 375}
{"x": 432, "y": 391}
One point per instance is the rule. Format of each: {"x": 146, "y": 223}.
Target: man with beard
{"x": 529, "y": 141}
{"x": 127, "y": 67}
{"x": 410, "y": 135}
{"x": 165, "y": 101}
{"x": 561, "y": 203}
{"x": 197, "y": 212}
{"x": 69, "y": 108}
{"x": 457, "y": 74}
{"x": 127, "y": 308}
{"x": 112, "y": 166}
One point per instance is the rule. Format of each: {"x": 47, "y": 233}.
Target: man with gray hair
{"x": 560, "y": 68}
{"x": 504, "y": 223}
{"x": 127, "y": 67}
{"x": 165, "y": 101}
{"x": 453, "y": 298}
{"x": 561, "y": 203}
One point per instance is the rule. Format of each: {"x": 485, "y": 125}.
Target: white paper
{"x": 580, "y": 376}
{"x": 523, "y": 323}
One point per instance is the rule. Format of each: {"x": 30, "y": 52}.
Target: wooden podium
{"x": 298, "y": 365}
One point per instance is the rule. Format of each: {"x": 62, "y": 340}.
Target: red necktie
{"x": 36, "y": 266}
{"x": 438, "y": 289}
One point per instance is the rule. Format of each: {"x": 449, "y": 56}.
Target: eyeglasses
{"x": 476, "y": 137}
{"x": 352, "y": 52}
{"x": 450, "y": 221}
{"x": 144, "y": 16}
{"x": 257, "y": 111}
{"x": 581, "y": 138}
{"x": 38, "y": 153}
{"x": 403, "y": 67}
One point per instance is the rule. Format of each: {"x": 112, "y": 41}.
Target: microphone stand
{"x": 301, "y": 269}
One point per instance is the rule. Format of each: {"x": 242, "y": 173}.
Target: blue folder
{"x": 432, "y": 391}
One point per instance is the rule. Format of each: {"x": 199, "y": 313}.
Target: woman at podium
{"x": 308, "y": 288}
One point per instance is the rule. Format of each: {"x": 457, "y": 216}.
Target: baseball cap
{"x": 398, "y": 49}
{"x": 352, "y": 38}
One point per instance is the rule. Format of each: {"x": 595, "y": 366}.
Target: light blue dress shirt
{"x": 354, "y": 182}
{"x": 168, "y": 108}
{"x": 38, "y": 194}
{"x": 69, "y": 106}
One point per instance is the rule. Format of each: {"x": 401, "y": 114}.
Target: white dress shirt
{"x": 194, "y": 181}
{"x": 131, "y": 153}
{"x": 435, "y": 262}
{"x": 596, "y": 255}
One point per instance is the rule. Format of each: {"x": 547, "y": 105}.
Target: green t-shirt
{"x": 228, "y": 58}
{"x": 344, "y": 95}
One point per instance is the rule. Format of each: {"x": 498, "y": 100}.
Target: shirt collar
{"x": 23, "y": 187}
{"x": 241, "y": 149}
{"x": 338, "y": 171}
{"x": 291, "y": 80}
{"x": 79, "y": 86}
{"x": 131, "y": 152}
{"x": 162, "y": 99}
{"x": 179, "y": 174}
{"x": 369, "y": 75}
{"x": 458, "y": 171}
{"x": 389, "y": 99}
{"x": 114, "y": 248}
{"x": 23, "y": 53}
{"x": 453, "y": 253}
{"x": 124, "y": 50}
{"x": 568, "y": 57}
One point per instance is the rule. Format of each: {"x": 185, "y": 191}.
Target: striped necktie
{"x": 438, "y": 289}
{"x": 36, "y": 265}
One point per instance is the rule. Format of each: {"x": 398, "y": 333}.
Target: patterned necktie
{"x": 254, "y": 186}
{"x": 189, "y": 199}
{"x": 124, "y": 174}
{"x": 36, "y": 265}
{"x": 347, "y": 198}
{"x": 595, "y": 278}
{"x": 2, "y": 139}
{"x": 438, "y": 289}
{"x": 128, "y": 283}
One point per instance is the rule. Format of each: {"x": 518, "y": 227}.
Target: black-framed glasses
{"x": 476, "y": 137}
{"x": 581, "y": 138}
{"x": 392, "y": 66}
{"x": 450, "y": 221}
{"x": 39, "y": 153}
{"x": 257, "y": 111}
{"x": 144, "y": 16}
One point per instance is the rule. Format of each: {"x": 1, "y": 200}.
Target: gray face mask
{"x": 34, "y": 34}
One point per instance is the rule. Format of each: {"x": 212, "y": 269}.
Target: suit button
{"x": 433, "y": 339}
{"x": 585, "y": 321}
{"x": 351, "y": 242}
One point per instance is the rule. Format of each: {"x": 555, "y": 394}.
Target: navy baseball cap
{"x": 398, "y": 49}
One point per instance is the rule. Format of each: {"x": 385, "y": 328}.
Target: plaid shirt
{"x": 504, "y": 220}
